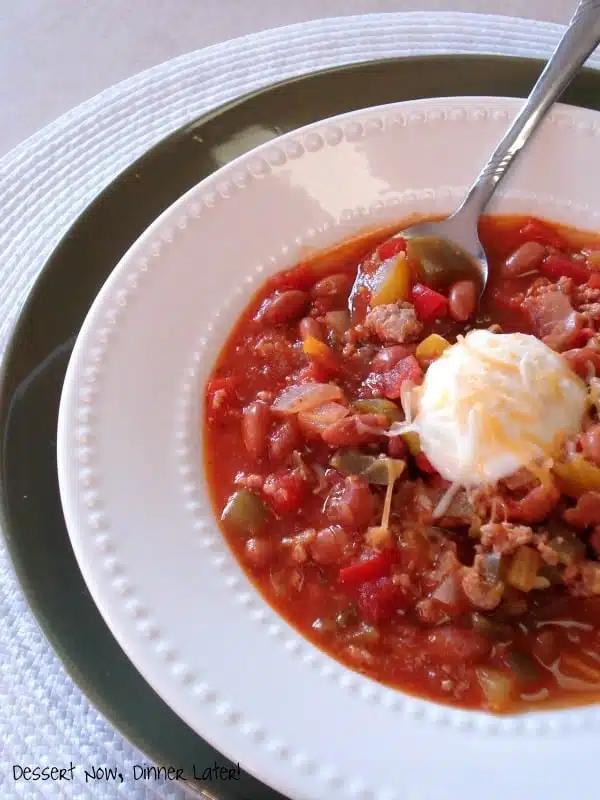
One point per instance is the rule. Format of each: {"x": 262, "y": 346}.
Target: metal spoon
{"x": 452, "y": 245}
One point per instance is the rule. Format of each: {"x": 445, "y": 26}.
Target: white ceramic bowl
{"x": 132, "y": 477}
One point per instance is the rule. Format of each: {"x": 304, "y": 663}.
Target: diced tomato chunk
{"x": 594, "y": 280}
{"x": 315, "y": 371}
{"x": 285, "y": 490}
{"x": 558, "y": 266}
{"x": 391, "y": 248}
{"x": 379, "y": 600}
{"x": 456, "y": 645}
{"x": 429, "y": 304}
{"x": 506, "y": 298}
{"x": 408, "y": 369}
{"x": 535, "y": 230}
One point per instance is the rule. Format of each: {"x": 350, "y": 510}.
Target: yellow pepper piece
{"x": 322, "y": 353}
{"x": 431, "y": 347}
{"x": 523, "y": 569}
{"x": 577, "y": 476}
{"x": 314, "y": 347}
{"x": 412, "y": 442}
{"x": 396, "y": 286}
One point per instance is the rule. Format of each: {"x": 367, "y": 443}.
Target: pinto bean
{"x": 284, "y": 439}
{"x": 328, "y": 546}
{"x": 283, "y": 306}
{"x": 356, "y": 430}
{"x": 256, "y": 420}
{"x": 590, "y": 444}
{"x": 336, "y": 285}
{"x": 586, "y": 511}
{"x": 258, "y": 552}
{"x": 535, "y": 506}
{"x": 525, "y": 258}
{"x": 388, "y": 357}
{"x": 462, "y": 300}
{"x": 351, "y": 505}
{"x": 309, "y": 326}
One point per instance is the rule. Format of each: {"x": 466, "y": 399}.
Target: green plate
{"x": 37, "y": 357}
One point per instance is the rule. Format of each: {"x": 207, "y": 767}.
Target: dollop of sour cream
{"x": 493, "y": 403}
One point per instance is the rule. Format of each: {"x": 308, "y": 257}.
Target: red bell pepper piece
{"x": 557, "y": 266}
{"x": 379, "y": 600}
{"x": 285, "y": 491}
{"x": 594, "y": 280}
{"x": 391, "y": 248}
{"x": 369, "y": 569}
{"x": 429, "y": 304}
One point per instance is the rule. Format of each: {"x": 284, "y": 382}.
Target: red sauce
{"x": 497, "y": 604}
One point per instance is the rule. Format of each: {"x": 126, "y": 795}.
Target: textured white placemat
{"x": 44, "y": 184}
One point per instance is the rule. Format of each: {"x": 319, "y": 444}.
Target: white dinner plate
{"x": 132, "y": 476}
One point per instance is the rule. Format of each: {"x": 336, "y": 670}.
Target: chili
{"x": 494, "y": 602}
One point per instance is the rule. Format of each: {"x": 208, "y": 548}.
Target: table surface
{"x": 57, "y": 53}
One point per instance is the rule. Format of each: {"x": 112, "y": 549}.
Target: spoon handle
{"x": 578, "y": 42}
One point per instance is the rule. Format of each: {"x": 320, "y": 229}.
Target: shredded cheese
{"x": 446, "y": 500}
{"x": 395, "y": 469}
{"x": 494, "y": 403}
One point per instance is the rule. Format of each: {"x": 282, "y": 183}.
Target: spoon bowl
{"x": 448, "y": 250}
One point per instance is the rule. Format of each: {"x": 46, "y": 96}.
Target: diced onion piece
{"x": 391, "y": 282}
{"x": 431, "y": 347}
{"x": 497, "y": 687}
{"x": 568, "y": 547}
{"x": 338, "y": 321}
{"x": 448, "y": 591}
{"x": 378, "y": 538}
{"x": 305, "y": 396}
{"x": 318, "y": 419}
{"x": 523, "y": 568}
